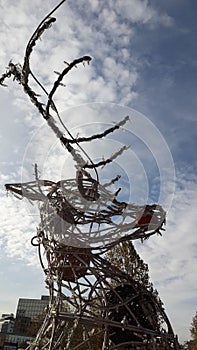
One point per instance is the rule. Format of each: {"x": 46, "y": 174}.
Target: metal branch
{"x": 107, "y": 161}
{"x": 97, "y": 136}
{"x": 61, "y": 76}
{"x": 45, "y": 24}
{"x": 37, "y": 34}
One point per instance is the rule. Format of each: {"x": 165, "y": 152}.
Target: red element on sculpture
{"x": 144, "y": 219}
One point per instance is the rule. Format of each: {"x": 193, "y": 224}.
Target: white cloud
{"x": 17, "y": 229}
{"x": 140, "y": 11}
{"x": 136, "y": 11}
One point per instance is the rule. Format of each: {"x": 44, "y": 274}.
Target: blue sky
{"x": 144, "y": 64}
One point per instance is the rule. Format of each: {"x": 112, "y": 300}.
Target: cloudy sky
{"x": 143, "y": 65}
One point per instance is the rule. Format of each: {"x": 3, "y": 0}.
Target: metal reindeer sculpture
{"x": 93, "y": 304}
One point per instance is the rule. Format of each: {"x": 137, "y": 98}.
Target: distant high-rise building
{"x": 31, "y": 307}
{"x": 27, "y": 310}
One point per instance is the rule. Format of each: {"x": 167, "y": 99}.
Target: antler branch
{"x": 61, "y": 76}
{"x": 21, "y": 74}
{"x": 97, "y": 136}
{"x": 37, "y": 34}
{"x": 107, "y": 161}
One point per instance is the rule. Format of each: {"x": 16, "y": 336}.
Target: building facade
{"x": 30, "y": 308}
{"x": 28, "y": 311}
{"x": 19, "y": 329}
